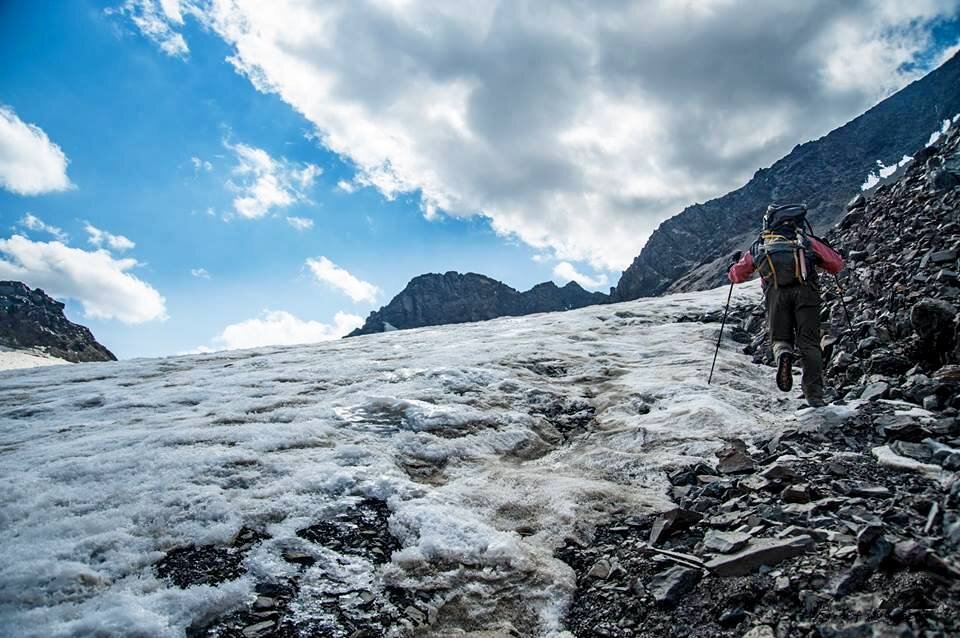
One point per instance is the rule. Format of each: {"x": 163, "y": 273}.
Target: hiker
{"x": 787, "y": 258}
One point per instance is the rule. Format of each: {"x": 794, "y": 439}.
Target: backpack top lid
{"x": 780, "y": 214}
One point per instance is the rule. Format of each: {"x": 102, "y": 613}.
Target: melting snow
{"x": 16, "y": 359}
{"x": 544, "y": 424}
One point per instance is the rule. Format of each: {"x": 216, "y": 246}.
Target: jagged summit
{"x": 688, "y": 251}
{"x": 32, "y": 320}
{"x": 434, "y": 299}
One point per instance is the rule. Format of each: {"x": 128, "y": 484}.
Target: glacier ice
{"x": 491, "y": 443}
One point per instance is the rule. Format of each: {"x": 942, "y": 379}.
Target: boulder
{"x": 725, "y": 542}
{"x": 766, "y": 551}
{"x": 668, "y": 587}
{"x": 932, "y": 320}
{"x": 875, "y": 391}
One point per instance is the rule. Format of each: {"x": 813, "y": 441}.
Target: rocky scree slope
{"x": 687, "y": 252}
{"x": 846, "y": 524}
{"x": 32, "y": 320}
{"x": 435, "y": 299}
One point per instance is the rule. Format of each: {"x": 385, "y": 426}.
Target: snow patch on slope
{"x": 110, "y": 465}
{"x": 16, "y": 359}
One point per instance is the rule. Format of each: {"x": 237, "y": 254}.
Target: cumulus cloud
{"x": 300, "y": 223}
{"x": 30, "y": 164}
{"x": 565, "y": 271}
{"x": 99, "y": 237}
{"x": 278, "y": 327}
{"x": 336, "y": 277}
{"x": 574, "y": 126}
{"x": 264, "y": 183}
{"x": 32, "y": 222}
{"x": 102, "y": 284}
{"x": 200, "y": 273}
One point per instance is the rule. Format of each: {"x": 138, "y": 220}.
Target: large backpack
{"x": 782, "y": 253}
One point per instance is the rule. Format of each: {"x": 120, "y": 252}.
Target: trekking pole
{"x": 722, "y": 323}
{"x": 843, "y": 301}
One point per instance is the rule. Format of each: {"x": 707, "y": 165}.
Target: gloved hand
{"x": 735, "y": 257}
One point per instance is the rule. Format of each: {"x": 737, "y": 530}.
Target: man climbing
{"x": 787, "y": 258}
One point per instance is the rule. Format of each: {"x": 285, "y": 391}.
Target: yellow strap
{"x": 773, "y": 271}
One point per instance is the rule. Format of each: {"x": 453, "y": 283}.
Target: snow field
{"x": 18, "y": 359}
{"x": 459, "y": 428}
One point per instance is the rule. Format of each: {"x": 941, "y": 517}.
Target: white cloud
{"x": 278, "y": 327}
{"x": 574, "y": 126}
{"x": 336, "y": 277}
{"x": 101, "y": 283}
{"x": 200, "y": 273}
{"x": 199, "y": 164}
{"x": 565, "y": 271}
{"x": 158, "y": 21}
{"x": 30, "y": 164}
{"x": 99, "y": 237}
{"x": 300, "y": 223}
{"x": 265, "y": 183}
{"x": 346, "y": 187}
{"x": 32, "y": 222}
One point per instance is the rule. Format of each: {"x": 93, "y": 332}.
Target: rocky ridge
{"x": 849, "y": 523}
{"x": 688, "y": 251}
{"x": 32, "y": 320}
{"x": 435, "y": 299}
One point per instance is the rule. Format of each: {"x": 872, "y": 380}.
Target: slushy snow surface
{"x": 17, "y": 359}
{"x": 107, "y": 466}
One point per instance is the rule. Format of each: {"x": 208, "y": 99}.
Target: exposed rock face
{"x": 847, "y": 521}
{"x": 897, "y": 321}
{"x": 30, "y": 319}
{"x": 689, "y": 251}
{"x": 434, "y": 299}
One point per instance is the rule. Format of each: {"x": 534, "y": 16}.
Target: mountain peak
{"x": 32, "y": 320}
{"x": 433, "y": 299}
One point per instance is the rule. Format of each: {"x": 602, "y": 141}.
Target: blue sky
{"x": 130, "y": 119}
{"x": 529, "y": 163}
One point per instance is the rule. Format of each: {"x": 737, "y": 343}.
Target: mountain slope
{"x": 32, "y": 321}
{"x": 689, "y": 251}
{"x": 434, "y": 299}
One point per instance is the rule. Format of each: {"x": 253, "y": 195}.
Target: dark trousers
{"x": 793, "y": 313}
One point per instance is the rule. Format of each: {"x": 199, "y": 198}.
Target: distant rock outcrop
{"x": 689, "y": 251}
{"x": 435, "y": 299}
{"x": 31, "y": 320}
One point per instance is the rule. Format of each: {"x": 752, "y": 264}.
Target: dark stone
{"x": 31, "y": 320}
{"x": 858, "y": 201}
{"x": 668, "y": 587}
{"x": 886, "y": 363}
{"x": 733, "y": 459}
{"x": 207, "y": 564}
{"x": 672, "y": 521}
{"x": 764, "y": 551}
{"x": 732, "y": 617}
{"x": 932, "y": 320}
{"x": 943, "y": 256}
{"x": 875, "y": 391}
{"x": 725, "y": 542}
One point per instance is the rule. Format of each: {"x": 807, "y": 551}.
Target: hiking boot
{"x": 816, "y": 402}
{"x": 785, "y": 371}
